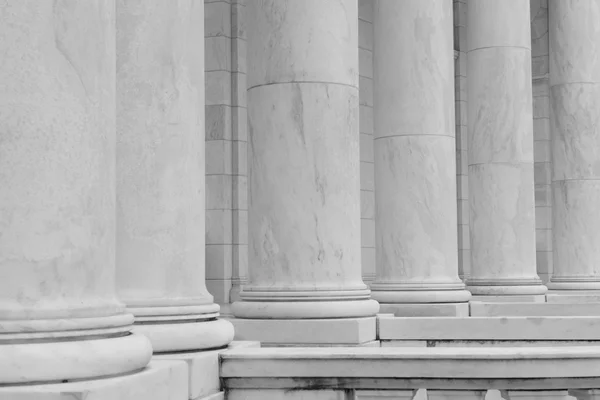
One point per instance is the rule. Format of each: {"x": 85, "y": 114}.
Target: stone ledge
{"x": 203, "y": 368}
{"x": 426, "y": 310}
{"x": 160, "y": 380}
{"x": 483, "y": 309}
{"x": 275, "y": 332}
{"x": 489, "y": 328}
{"x": 573, "y": 297}
{"x": 412, "y": 368}
{"x": 525, "y": 298}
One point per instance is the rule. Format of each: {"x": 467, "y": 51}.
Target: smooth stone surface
{"x": 456, "y": 395}
{"x": 483, "y": 309}
{"x": 203, "y": 369}
{"x": 426, "y": 310}
{"x": 489, "y": 328}
{"x": 57, "y": 207}
{"x": 572, "y": 296}
{"x": 349, "y": 331}
{"x": 304, "y": 188}
{"x": 215, "y": 396}
{"x": 355, "y": 363}
{"x": 415, "y": 158}
{"x": 160, "y": 380}
{"x": 515, "y": 298}
{"x": 321, "y": 253}
{"x": 47, "y": 361}
{"x": 384, "y": 394}
{"x": 186, "y": 336}
{"x": 57, "y": 118}
{"x": 500, "y": 150}
{"x": 293, "y": 46}
{"x": 160, "y": 176}
{"x": 536, "y": 395}
{"x": 293, "y": 308}
{"x": 575, "y": 93}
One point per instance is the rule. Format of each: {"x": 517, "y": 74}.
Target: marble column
{"x": 304, "y": 194}
{"x": 500, "y": 149}
{"x": 160, "y": 175}
{"x": 60, "y": 319}
{"x": 415, "y": 154}
{"x": 575, "y": 119}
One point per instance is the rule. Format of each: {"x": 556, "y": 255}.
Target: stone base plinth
{"x": 160, "y": 380}
{"x": 518, "y": 298}
{"x": 573, "y": 296}
{"x": 203, "y": 369}
{"x": 489, "y": 328}
{"x": 426, "y": 309}
{"x": 271, "y": 332}
{"x": 484, "y": 309}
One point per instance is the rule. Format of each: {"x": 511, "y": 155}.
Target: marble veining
{"x": 575, "y": 91}
{"x": 500, "y": 149}
{"x": 414, "y": 146}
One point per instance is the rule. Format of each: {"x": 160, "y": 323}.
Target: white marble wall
{"x": 226, "y": 148}
{"x": 541, "y": 135}
{"x": 365, "y": 85}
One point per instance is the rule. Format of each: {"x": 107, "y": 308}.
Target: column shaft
{"x": 500, "y": 141}
{"x": 59, "y": 315}
{"x": 160, "y": 175}
{"x": 575, "y": 127}
{"x": 415, "y": 154}
{"x": 304, "y": 195}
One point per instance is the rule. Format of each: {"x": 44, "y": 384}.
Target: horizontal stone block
{"x": 482, "y": 309}
{"x": 426, "y": 310}
{"x": 573, "y": 297}
{"x": 343, "y": 331}
{"x": 489, "y": 328}
{"x": 528, "y": 298}
{"x": 523, "y": 368}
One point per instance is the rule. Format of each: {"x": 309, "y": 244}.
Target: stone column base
{"x": 513, "y": 298}
{"x": 554, "y": 309}
{"x": 160, "y": 380}
{"x": 573, "y": 296}
{"x": 426, "y": 309}
{"x": 309, "y": 332}
{"x": 28, "y": 359}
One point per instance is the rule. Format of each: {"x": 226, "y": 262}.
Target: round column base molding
{"x": 574, "y": 283}
{"x": 173, "y": 311}
{"x": 186, "y": 335}
{"x": 305, "y": 309}
{"x": 501, "y": 287}
{"x": 30, "y": 361}
{"x": 423, "y": 296}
